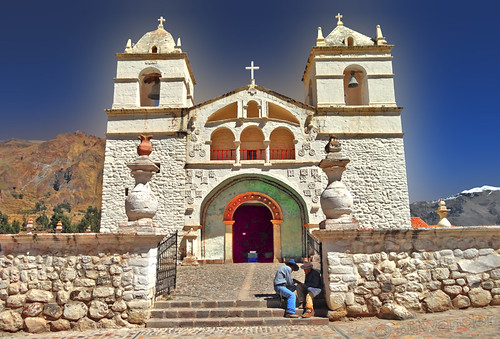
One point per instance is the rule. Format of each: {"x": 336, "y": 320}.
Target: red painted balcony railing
{"x": 222, "y": 154}
{"x": 282, "y": 153}
{"x": 252, "y": 154}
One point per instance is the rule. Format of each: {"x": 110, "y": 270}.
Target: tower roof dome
{"x": 158, "y": 41}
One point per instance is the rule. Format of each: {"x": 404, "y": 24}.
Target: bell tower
{"x": 153, "y": 73}
{"x": 349, "y": 80}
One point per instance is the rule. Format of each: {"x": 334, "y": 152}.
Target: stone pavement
{"x": 470, "y": 323}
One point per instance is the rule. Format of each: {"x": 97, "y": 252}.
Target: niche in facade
{"x": 222, "y": 145}
{"x": 282, "y": 145}
{"x": 355, "y": 86}
{"x": 279, "y": 113}
{"x": 227, "y": 112}
{"x": 252, "y": 109}
{"x": 150, "y": 87}
{"x": 252, "y": 144}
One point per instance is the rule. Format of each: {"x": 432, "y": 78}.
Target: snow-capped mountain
{"x": 473, "y": 207}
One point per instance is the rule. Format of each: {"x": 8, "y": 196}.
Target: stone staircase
{"x": 226, "y": 313}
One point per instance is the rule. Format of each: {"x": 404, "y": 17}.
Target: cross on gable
{"x": 161, "y": 20}
{"x": 252, "y": 68}
{"x": 339, "y": 16}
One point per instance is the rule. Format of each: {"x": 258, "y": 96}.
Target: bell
{"x": 155, "y": 91}
{"x": 353, "y": 82}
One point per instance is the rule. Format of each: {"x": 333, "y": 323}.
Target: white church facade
{"x": 242, "y": 168}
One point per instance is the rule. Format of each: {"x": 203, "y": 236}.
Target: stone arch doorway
{"x": 253, "y": 222}
{"x": 289, "y": 234}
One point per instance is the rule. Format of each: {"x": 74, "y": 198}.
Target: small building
{"x": 242, "y": 168}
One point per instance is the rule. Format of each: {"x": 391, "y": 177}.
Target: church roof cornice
{"x": 260, "y": 88}
{"x": 145, "y": 110}
{"x": 357, "y": 110}
{"x": 152, "y": 56}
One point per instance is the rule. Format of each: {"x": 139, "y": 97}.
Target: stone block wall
{"x": 168, "y": 185}
{"x": 376, "y": 177}
{"x": 59, "y": 282}
{"x": 428, "y": 270}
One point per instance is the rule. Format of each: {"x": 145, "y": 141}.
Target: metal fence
{"x": 166, "y": 266}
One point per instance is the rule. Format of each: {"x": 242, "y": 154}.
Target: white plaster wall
{"x": 167, "y": 185}
{"x": 376, "y": 177}
{"x": 381, "y": 91}
{"x": 370, "y": 123}
{"x": 126, "y": 94}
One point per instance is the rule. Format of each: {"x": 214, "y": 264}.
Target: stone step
{"x": 219, "y": 312}
{"x": 210, "y": 304}
{"x": 229, "y": 322}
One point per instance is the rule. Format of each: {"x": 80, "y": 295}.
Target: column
{"x": 228, "y": 242}
{"x": 268, "y": 157}
{"x": 237, "y": 155}
{"x": 277, "y": 239}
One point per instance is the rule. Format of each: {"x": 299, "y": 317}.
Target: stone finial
{"x": 336, "y": 200}
{"x": 145, "y": 147}
{"x": 59, "y": 227}
{"x": 443, "y": 212}
{"x": 178, "y": 42}
{"x": 380, "y": 38}
{"x": 320, "y": 40}
{"x": 339, "y": 22}
{"x": 333, "y": 145}
{"x": 128, "y": 47}
{"x": 29, "y": 226}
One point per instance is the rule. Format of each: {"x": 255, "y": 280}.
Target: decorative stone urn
{"x": 141, "y": 204}
{"x": 190, "y": 258}
{"x": 336, "y": 200}
{"x": 443, "y": 212}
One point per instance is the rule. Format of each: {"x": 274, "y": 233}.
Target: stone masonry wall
{"x": 60, "y": 282}
{"x": 168, "y": 185}
{"x": 421, "y": 270}
{"x": 376, "y": 177}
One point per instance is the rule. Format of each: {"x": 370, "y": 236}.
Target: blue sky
{"x": 58, "y": 63}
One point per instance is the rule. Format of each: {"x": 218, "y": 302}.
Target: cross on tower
{"x": 161, "y": 20}
{"x": 252, "y": 68}
{"x": 339, "y": 16}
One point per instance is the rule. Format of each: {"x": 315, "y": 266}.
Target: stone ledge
{"x": 374, "y": 234}
{"x": 84, "y": 242}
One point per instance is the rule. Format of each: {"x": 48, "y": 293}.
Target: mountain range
{"x": 35, "y": 176}
{"x": 473, "y": 207}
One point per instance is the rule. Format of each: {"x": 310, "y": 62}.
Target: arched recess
{"x": 282, "y": 145}
{"x": 222, "y": 145}
{"x": 279, "y": 113}
{"x": 149, "y": 87}
{"x": 252, "y": 145}
{"x": 252, "y": 197}
{"x": 355, "y": 95}
{"x": 216, "y": 233}
{"x": 253, "y": 109}
{"x": 227, "y": 112}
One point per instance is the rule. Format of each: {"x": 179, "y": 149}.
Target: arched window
{"x": 252, "y": 144}
{"x": 149, "y": 82}
{"x": 222, "y": 145}
{"x": 355, "y": 86}
{"x": 281, "y": 144}
{"x": 252, "y": 109}
{"x": 154, "y": 49}
{"x": 350, "y": 41}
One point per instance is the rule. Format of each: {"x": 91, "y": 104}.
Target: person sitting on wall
{"x": 284, "y": 285}
{"x": 309, "y": 289}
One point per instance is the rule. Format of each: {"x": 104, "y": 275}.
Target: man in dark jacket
{"x": 309, "y": 289}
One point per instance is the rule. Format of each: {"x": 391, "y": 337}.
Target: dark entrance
{"x": 252, "y": 231}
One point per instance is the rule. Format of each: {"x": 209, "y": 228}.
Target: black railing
{"x": 315, "y": 248}
{"x": 166, "y": 266}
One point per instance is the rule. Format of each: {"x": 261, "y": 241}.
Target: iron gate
{"x": 315, "y": 249}
{"x": 166, "y": 266}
